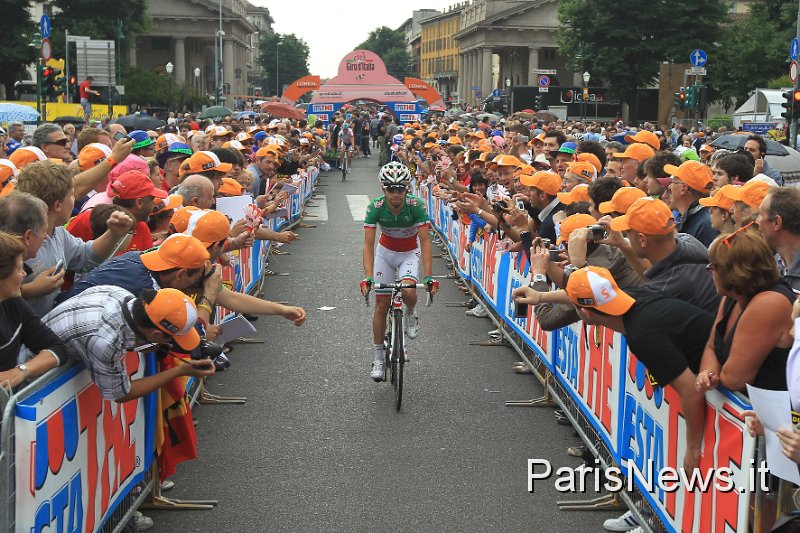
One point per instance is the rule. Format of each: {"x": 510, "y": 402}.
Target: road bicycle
{"x": 394, "y": 340}
{"x": 347, "y": 154}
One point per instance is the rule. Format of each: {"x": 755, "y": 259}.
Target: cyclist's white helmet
{"x": 394, "y": 173}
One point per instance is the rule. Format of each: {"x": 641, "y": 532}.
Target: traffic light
{"x": 691, "y": 97}
{"x": 540, "y": 103}
{"x": 788, "y": 105}
{"x": 682, "y": 98}
{"x": 48, "y": 82}
{"x": 73, "y": 89}
{"x": 796, "y": 104}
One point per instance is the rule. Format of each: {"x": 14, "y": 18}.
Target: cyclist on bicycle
{"x": 346, "y": 137}
{"x": 404, "y": 227}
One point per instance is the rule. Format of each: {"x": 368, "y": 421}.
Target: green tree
{"x": 628, "y": 55}
{"x": 17, "y": 29}
{"x": 753, "y": 50}
{"x": 288, "y": 53}
{"x": 98, "y": 19}
{"x": 391, "y": 46}
{"x": 149, "y": 89}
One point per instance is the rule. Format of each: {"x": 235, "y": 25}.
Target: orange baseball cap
{"x": 544, "y": 180}
{"x": 204, "y": 161}
{"x": 539, "y": 138}
{"x": 26, "y": 155}
{"x": 175, "y": 314}
{"x": 205, "y": 225}
{"x": 579, "y": 193}
{"x": 479, "y": 135}
{"x": 221, "y": 131}
{"x": 243, "y": 136}
{"x": 173, "y": 201}
{"x": 7, "y": 171}
{"x": 622, "y": 200}
{"x": 428, "y": 146}
{"x": 590, "y": 158}
{"x": 266, "y": 152}
{"x": 507, "y": 161}
{"x": 582, "y": 169}
{"x": 573, "y": 222}
{"x": 751, "y": 193}
{"x": 177, "y": 251}
{"x": 595, "y": 287}
{"x": 236, "y": 145}
{"x": 163, "y": 142}
{"x": 693, "y": 173}
{"x": 230, "y": 187}
{"x": 454, "y": 140}
{"x": 524, "y": 169}
{"x": 92, "y": 155}
{"x": 722, "y": 198}
{"x": 646, "y": 215}
{"x": 647, "y": 137}
{"x": 637, "y": 151}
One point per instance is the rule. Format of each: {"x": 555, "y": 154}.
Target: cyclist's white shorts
{"x": 391, "y": 266}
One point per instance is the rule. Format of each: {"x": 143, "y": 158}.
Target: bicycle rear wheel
{"x": 398, "y": 358}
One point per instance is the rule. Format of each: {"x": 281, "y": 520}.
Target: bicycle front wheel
{"x": 398, "y": 358}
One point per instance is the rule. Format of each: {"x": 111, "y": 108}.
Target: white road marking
{"x": 358, "y": 206}
{"x": 319, "y": 211}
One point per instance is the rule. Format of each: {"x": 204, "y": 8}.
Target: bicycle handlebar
{"x": 399, "y": 286}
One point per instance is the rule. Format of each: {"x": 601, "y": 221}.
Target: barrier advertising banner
{"x": 78, "y": 455}
{"x": 641, "y": 424}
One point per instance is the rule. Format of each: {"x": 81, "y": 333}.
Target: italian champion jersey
{"x": 398, "y": 233}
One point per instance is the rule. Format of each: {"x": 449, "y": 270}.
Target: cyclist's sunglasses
{"x": 395, "y": 188}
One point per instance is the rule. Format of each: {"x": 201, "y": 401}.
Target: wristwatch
{"x": 25, "y": 370}
{"x": 539, "y": 277}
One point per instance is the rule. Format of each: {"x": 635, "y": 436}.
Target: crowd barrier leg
{"x": 206, "y": 398}
{"x": 544, "y": 401}
{"x": 157, "y": 501}
{"x": 609, "y": 502}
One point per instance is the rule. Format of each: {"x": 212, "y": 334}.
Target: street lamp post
{"x": 585, "y": 96}
{"x": 169, "y": 67}
{"x": 277, "y": 63}
{"x": 197, "y": 81}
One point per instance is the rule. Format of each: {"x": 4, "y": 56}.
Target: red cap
{"x": 132, "y": 185}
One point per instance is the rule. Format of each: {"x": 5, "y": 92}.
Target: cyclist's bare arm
{"x": 368, "y": 254}
{"x": 427, "y": 255}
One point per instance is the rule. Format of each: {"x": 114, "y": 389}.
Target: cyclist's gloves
{"x": 367, "y": 283}
{"x": 430, "y": 282}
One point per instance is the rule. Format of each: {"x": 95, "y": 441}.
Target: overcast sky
{"x": 334, "y": 27}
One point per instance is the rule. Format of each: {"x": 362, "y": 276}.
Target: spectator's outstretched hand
{"x": 296, "y": 314}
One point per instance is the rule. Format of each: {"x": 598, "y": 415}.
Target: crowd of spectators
{"x": 110, "y": 242}
{"x": 692, "y": 252}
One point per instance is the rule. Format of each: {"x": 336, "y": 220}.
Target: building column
{"x": 132, "y": 50}
{"x": 227, "y": 66}
{"x": 461, "y": 77}
{"x": 180, "y": 61}
{"x": 486, "y": 73}
{"x": 533, "y": 62}
{"x": 470, "y": 92}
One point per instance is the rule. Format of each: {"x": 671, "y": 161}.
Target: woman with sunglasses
{"x": 750, "y": 340}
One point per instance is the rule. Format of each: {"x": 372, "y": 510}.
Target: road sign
{"x": 47, "y": 51}
{"x": 698, "y": 58}
{"x": 697, "y": 71}
{"x": 474, "y": 88}
{"x": 548, "y": 71}
{"x": 45, "y": 26}
{"x": 793, "y": 71}
{"x": 544, "y": 89}
{"x": 794, "y": 49}
{"x": 543, "y": 81}
{"x": 497, "y": 93}
{"x": 77, "y": 38}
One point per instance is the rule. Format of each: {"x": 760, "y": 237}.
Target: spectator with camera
{"x": 751, "y": 338}
{"x": 677, "y": 261}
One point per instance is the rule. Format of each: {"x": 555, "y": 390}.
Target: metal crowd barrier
{"x": 559, "y": 361}
{"x": 56, "y": 433}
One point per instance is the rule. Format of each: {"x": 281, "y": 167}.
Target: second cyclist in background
{"x": 404, "y": 226}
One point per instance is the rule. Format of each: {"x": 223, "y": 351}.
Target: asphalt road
{"x": 319, "y": 447}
